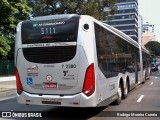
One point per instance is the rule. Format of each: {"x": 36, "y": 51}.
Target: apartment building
{"x": 126, "y": 18}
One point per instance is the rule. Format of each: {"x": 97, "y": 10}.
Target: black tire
{"x": 144, "y": 82}
{"x": 125, "y": 91}
{"x": 119, "y": 99}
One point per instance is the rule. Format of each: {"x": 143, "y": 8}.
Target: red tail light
{"x": 18, "y": 83}
{"x": 89, "y": 82}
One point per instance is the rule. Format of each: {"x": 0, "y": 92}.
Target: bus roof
{"x": 50, "y": 17}
{"x": 67, "y": 16}
{"x": 145, "y": 50}
{"x": 112, "y": 29}
{"x": 123, "y": 35}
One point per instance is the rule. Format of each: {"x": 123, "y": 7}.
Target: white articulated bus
{"x": 76, "y": 61}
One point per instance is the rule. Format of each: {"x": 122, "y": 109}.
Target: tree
{"x": 4, "y": 47}
{"x": 99, "y": 9}
{"x": 12, "y": 12}
{"x": 153, "y": 47}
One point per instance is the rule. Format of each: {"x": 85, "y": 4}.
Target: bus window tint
{"x": 114, "y": 54}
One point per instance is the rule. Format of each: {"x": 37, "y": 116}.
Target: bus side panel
{"x": 86, "y": 41}
{"x": 102, "y": 83}
{"x": 18, "y": 43}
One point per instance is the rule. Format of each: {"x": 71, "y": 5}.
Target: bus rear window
{"x": 50, "y": 31}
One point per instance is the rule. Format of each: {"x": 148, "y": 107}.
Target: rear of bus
{"x": 54, "y": 61}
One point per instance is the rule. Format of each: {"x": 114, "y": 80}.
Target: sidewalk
{"x": 9, "y": 78}
{"x": 7, "y": 86}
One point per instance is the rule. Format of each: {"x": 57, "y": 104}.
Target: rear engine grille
{"x": 49, "y": 55}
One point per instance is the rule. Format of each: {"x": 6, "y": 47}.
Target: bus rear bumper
{"x": 78, "y": 100}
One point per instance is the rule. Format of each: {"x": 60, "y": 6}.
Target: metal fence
{"x": 7, "y": 67}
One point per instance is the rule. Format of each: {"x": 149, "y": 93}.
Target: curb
{"x": 7, "y": 88}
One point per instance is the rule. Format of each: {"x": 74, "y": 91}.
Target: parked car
{"x": 154, "y": 66}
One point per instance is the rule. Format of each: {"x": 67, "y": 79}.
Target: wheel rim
{"x": 119, "y": 93}
{"x": 126, "y": 90}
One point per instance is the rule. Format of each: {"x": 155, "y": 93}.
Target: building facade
{"x": 140, "y": 29}
{"x": 148, "y": 33}
{"x": 126, "y": 18}
{"x": 147, "y": 37}
{"x": 148, "y": 28}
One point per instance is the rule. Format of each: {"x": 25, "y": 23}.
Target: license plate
{"x": 51, "y": 102}
{"x": 50, "y": 85}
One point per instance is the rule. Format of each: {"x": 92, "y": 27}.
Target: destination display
{"x": 49, "y": 31}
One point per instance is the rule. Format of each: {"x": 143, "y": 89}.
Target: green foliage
{"x": 99, "y": 9}
{"x": 153, "y": 47}
{"x": 12, "y": 12}
{"x": 4, "y": 47}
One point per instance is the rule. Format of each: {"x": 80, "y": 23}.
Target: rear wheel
{"x": 119, "y": 99}
{"x": 125, "y": 92}
{"x": 146, "y": 76}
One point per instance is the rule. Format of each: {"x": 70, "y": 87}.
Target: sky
{"x": 150, "y": 11}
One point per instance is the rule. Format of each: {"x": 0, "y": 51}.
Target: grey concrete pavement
{"x": 7, "y": 87}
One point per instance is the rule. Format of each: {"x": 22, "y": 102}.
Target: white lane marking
{"x": 140, "y": 98}
{"x": 151, "y": 83}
